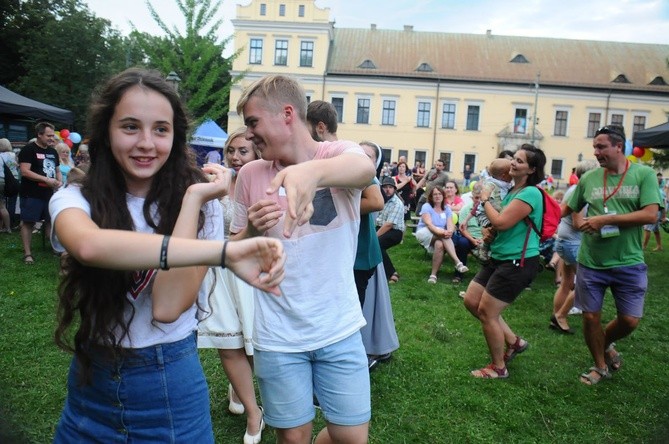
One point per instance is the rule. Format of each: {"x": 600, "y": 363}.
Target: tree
{"x": 196, "y": 56}
{"x": 65, "y": 55}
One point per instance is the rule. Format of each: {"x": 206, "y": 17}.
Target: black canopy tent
{"x": 654, "y": 137}
{"x": 13, "y": 104}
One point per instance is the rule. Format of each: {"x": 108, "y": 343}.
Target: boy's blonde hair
{"x": 276, "y": 91}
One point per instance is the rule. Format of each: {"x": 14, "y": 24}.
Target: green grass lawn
{"x": 424, "y": 394}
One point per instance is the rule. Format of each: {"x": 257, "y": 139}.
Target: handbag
{"x": 11, "y": 183}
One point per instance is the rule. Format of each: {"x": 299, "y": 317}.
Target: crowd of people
{"x": 162, "y": 257}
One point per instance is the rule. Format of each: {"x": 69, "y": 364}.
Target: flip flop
{"x": 28, "y": 259}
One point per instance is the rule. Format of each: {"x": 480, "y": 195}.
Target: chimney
{"x": 373, "y": 26}
{"x": 408, "y": 27}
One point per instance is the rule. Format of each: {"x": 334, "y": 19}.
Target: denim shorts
{"x": 155, "y": 394}
{"x": 34, "y": 210}
{"x": 628, "y": 286}
{"x": 567, "y": 250}
{"x": 337, "y": 374}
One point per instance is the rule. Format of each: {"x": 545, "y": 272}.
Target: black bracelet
{"x": 225, "y": 246}
{"x": 163, "y": 253}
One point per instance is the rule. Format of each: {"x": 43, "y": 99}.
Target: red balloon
{"x": 637, "y": 151}
{"x": 64, "y": 133}
{"x": 68, "y": 142}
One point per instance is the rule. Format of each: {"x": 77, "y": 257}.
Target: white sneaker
{"x": 462, "y": 268}
{"x": 575, "y": 311}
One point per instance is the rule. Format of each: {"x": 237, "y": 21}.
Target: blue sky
{"x": 642, "y": 21}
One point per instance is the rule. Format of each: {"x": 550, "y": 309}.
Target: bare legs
{"x": 329, "y": 435}
{"x": 442, "y": 246}
{"x": 564, "y": 295}
{"x": 240, "y": 373}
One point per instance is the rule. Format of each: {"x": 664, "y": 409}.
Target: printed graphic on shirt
{"x": 140, "y": 279}
{"x": 49, "y": 168}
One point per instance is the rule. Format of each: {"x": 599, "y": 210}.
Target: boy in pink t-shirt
{"x": 306, "y": 193}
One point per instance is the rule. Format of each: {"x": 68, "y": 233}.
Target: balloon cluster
{"x": 67, "y": 137}
{"x": 640, "y": 154}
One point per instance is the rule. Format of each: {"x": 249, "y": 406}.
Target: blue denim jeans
{"x": 154, "y": 394}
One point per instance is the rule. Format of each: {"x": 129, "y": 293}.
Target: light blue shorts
{"x": 567, "y": 250}
{"x": 628, "y": 286}
{"x": 337, "y": 374}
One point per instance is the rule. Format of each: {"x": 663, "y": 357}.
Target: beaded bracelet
{"x": 163, "y": 253}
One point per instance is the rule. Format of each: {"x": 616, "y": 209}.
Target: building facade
{"x": 458, "y": 97}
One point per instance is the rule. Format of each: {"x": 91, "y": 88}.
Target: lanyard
{"x": 615, "y": 190}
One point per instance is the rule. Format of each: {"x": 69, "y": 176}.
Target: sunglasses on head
{"x": 608, "y": 130}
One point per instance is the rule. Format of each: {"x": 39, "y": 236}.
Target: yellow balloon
{"x": 471, "y": 185}
{"x": 647, "y": 156}
{"x": 455, "y": 218}
{"x": 633, "y": 158}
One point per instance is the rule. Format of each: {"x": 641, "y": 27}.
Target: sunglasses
{"x": 608, "y": 130}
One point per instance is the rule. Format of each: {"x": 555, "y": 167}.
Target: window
{"x": 594, "y": 123}
{"x": 448, "y": 116}
{"x": 556, "y": 168}
{"x": 282, "y": 10}
{"x": 338, "y": 103}
{"x": 388, "y": 115}
{"x": 300, "y": 10}
{"x": 281, "y": 52}
{"x": 363, "y": 111}
{"x": 307, "y": 54}
{"x": 473, "y": 112}
{"x": 403, "y": 153}
{"x": 617, "y": 119}
{"x": 386, "y": 154}
{"x": 420, "y": 156}
{"x": 263, "y": 9}
{"x": 639, "y": 123}
{"x": 255, "y": 53}
{"x": 446, "y": 158}
{"x": 423, "y": 120}
{"x": 470, "y": 159}
{"x": 520, "y": 121}
{"x": 561, "y": 123}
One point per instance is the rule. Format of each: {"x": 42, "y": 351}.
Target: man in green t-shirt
{"x": 621, "y": 197}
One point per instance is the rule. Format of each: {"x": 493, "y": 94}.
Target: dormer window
{"x": 424, "y": 67}
{"x": 367, "y": 64}
{"x": 519, "y": 58}
{"x": 659, "y": 80}
{"x": 620, "y": 78}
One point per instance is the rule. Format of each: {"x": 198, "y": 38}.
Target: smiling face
{"x": 265, "y": 127}
{"x": 239, "y": 152}
{"x": 520, "y": 169}
{"x": 140, "y": 135}
{"x": 450, "y": 189}
{"x": 47, "y": 138}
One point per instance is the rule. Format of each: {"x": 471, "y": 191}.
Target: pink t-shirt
{"x": 319, "y": 303}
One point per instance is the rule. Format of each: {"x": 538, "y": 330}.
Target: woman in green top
{"x": 515, "y": 260}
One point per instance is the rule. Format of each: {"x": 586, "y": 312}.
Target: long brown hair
{"x": 96, "y": 296}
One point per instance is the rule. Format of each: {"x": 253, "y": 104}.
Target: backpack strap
{"x": 530, "y": 227}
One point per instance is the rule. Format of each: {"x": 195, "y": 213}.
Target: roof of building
{"x": 500, "y": 59}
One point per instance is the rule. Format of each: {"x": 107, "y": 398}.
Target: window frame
{"x": 448, "y": 115}
{"x": 280, "y": 52}
{"x": 340, "y": 110}
{"x": 256, "y": 52}
{"x": 561, "y": 125}
{"x": 470, "y": 115}
{"x": 306, "y": 52}
{"x": 361, "y": 108}
{"x": 593, "y": 125}
{"x": 388, "y": 115}
{"x": 423, "y": 114}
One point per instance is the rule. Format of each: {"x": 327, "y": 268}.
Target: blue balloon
{"x": 628, "y": 147}
{"x": 75, "y": 137}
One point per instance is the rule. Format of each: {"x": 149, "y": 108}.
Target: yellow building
{"x": 459, "y": 97}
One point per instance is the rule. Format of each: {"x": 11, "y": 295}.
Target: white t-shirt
{"x": 143, "y": 330}
{"x": 319, "y": 303}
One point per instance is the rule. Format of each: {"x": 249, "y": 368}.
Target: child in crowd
{"x": 499, "y": 183}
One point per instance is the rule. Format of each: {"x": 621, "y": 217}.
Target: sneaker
{"x": 462, "y": 294}
{"x": 575, "y": 311}
{"x": 372, "y": 363}
{"x": 462, "y": 268}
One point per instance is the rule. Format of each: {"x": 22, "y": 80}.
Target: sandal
{"x": 462, "y": 268}
{"x": 588, "y": 379}
{"x": 456, "y": 280}
{"x": 490, "y": 372}
{"x": 394, "y": 278}
{"x": 515, "y": 349}
{"x": 432, "y": 279}
{"x": 28, "y": 259}
{"x": 614, "y": 360}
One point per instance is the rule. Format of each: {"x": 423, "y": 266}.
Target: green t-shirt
{"x": 639, "y": 189}
{"x": 472, "y": 226}
{"x": 368, "y": 255}
{"x": 508, "y": 244}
